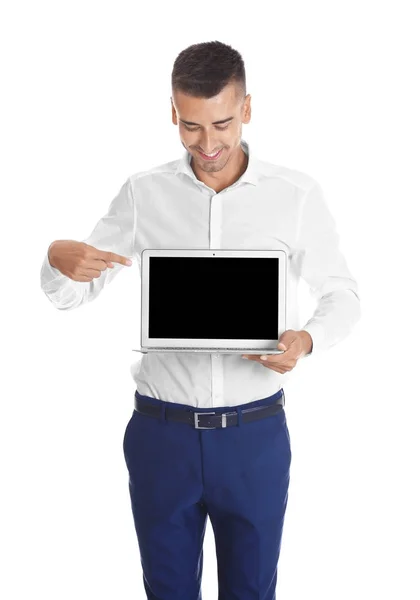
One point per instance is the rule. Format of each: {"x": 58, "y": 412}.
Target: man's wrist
{"x": 49, "y": 255}
{"x": 307, "y": 342}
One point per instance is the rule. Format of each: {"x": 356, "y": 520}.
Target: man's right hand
{"x": 82, "y": 262}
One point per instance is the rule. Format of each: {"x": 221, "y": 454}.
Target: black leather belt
{"x": 210, "y": 420}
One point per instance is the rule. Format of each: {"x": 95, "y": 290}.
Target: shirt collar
{"x": 250, "y": 175}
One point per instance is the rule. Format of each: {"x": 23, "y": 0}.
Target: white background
{"x": 86, "y": 103}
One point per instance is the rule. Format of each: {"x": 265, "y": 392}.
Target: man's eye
{"x": 197, "y": 128}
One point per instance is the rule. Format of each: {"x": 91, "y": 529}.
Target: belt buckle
{"x": 196, "y": 415}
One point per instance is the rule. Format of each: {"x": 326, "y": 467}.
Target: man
{"x": 235, "y": 471}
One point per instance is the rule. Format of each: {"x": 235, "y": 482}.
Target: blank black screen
{"x": 213, "y": 298}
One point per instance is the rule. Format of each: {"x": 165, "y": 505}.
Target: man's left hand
{"x": 295, "y": 345}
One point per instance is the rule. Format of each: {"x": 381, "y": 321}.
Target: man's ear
{"x": 174, "y": 115}
{"x": 246, "y": 112}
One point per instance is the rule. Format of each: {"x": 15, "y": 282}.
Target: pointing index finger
{"x": 117, "y": 258}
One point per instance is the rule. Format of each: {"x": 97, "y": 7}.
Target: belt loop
{"x": 163, "y": 412}
{"x": 284, "y": 397}
{"x": 239, "y": 411}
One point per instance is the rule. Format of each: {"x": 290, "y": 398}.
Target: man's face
{"x": 205, "y": 135}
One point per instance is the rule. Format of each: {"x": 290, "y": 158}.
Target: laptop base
{"x": 213, "y": 350}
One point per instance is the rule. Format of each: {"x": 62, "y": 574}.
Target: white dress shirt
{"x": 267, "y": 207}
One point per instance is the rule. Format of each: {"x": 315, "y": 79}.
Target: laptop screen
{"x": 213, "y": 298}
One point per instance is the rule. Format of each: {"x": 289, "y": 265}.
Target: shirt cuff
{"x": 48, "y": 272}
{"x": 317, "y": 334}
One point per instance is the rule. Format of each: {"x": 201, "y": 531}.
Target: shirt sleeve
{"x": 324, "y": 268}
{"x": 114, "y": 232}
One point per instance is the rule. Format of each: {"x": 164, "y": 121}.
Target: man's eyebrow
{"x": 214, "y": 122}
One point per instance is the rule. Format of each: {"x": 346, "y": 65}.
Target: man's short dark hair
{"x": 203, "y": 70}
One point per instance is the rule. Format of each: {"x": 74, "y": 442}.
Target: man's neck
{"x": 218, "y": 183}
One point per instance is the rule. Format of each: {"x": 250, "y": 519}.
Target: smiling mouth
{"x": 210, "y": 156}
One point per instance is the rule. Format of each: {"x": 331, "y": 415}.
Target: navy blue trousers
{"x": 238, "y": 476}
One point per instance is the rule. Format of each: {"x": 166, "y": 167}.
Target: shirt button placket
{"x": 215, "y": 242}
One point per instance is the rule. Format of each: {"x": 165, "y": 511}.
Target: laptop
{"x": 213, "y": 300}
